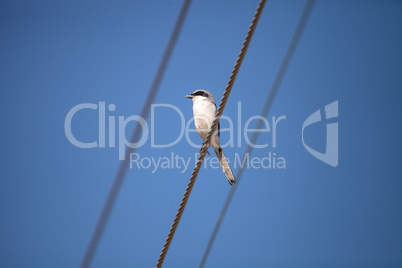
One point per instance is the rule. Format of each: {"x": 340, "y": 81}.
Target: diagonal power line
{"x": 118, "y": 181}
{"x": 268, "y": 103}
{"x": 214, "y": 125}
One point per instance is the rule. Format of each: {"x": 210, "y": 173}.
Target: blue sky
{"x": 56, "y": 55}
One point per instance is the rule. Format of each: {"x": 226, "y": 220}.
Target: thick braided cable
{"x": 207, "y": 141}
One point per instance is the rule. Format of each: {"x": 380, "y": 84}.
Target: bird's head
{"x": 201, "y": 95}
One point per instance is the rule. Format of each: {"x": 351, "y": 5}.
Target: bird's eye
{"x": 199, "y": 93}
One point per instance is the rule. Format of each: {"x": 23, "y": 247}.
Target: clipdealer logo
{"x": 330, "y": 156}
{"x": 109, "y": 124}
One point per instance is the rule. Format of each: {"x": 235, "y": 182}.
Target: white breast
{"x": 204, "y": 113}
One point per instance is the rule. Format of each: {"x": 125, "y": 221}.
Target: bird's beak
{"x": 189, "y": 96}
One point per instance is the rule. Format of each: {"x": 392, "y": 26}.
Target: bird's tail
{"x": 225, "y": 166}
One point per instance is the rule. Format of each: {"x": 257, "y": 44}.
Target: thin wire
{"x": 86, "y": 262}
{"x": 267, "y": 106}
{"x": 214, "y": 125}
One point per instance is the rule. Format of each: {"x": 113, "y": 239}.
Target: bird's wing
{"x": 219, "y": 124}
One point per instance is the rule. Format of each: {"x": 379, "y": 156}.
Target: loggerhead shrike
{"x": 204, "y": 109}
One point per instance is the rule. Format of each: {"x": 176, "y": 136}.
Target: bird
{"x": 204, "y": 110}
